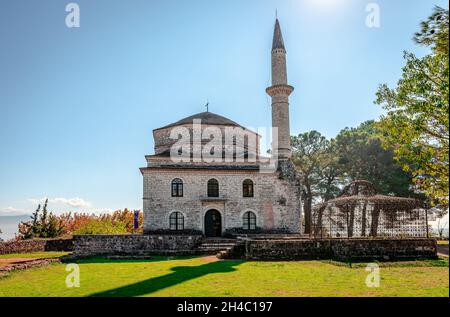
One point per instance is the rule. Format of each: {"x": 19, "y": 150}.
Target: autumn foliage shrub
{"x": 48, "y": 225}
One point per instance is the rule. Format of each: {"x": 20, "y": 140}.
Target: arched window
{"x": 249, "y": 221}
{"x": 176, "y": 221}
{"x": 177, "y": 188}
{"x": 247, "y": 188}
{"x": 213, "y": 188}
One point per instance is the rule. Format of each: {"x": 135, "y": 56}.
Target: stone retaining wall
{"x": 86, "y": 245}
{"x": 27, "y": 265}
{"x": 342, "y": 249}
{"x": 38, "y": 245}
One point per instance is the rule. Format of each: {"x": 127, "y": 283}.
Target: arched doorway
{"x": 213, "y": 223}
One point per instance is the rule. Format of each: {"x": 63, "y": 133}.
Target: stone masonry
{"x": 275, "y": 203}
{"x": 280, "y": 91}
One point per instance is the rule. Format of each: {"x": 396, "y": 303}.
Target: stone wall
{"x": 342, "y": 249}
{"x": 85, "y": 245}
{"x": 38, "y": 245}
{"x": 276, "y": 201}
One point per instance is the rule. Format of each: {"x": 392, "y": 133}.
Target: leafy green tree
{"x": 45, "y": 225}
{"x": 330, "y": 173}
{"x": 434, "y": 31}
{"x": 362, "y": 157}
{"x": 312, "y": 156}
{"x": 416, "y": 122}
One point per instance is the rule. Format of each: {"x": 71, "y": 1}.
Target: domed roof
{"x": 207, "y": 118}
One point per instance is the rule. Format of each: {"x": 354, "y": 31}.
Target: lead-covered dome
{"x": 207, "y": 118}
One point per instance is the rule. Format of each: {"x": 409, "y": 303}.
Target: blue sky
{"x": 78, "y": 106}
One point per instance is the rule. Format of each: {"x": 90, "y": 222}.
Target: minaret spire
{"x": 277, "y": 37}
{"x": 280, "y": 91}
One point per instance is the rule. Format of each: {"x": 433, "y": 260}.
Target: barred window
{"x": 213, "y": 188}
{"x": 247, "y": 188}
{"x": 249, "y": 221}
{"x": 176, "y": 220}
{"x": 177, "y": 188}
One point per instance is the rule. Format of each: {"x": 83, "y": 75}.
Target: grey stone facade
{"x": 275, "y": 202}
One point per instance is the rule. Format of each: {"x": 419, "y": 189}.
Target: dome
{"x": 208, "y": 118}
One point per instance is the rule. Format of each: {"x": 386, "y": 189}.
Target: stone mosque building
{"x": 235, "y": 192}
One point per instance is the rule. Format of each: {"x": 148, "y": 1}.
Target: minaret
{"x": 280, "y": 91}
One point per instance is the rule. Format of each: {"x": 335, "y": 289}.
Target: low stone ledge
{"x": 342, "y": 249}
{"x": 87, "y": 245}
{"x": 27, "y": 265}
{"x": 35, "y": 245}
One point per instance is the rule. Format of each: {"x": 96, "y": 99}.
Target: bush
{"x": 47, "y": 225}
{"x": 42, "y": 225}
{"x": 119, "y": 222}
{"x": 98, "y": 226}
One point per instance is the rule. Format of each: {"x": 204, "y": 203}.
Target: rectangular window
{"x": 252, "y": 224}
{"x": 213, "y": 188}
{"x": 176, "y": 221}
{"x": 177, "y": 189}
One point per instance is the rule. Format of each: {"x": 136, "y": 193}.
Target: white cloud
{"x": 36, "y": 201}
{"x": 71, "y": 202}
{"x": 60, "y": 205}
{"x": 74, "y": 202}
{"x": 12, "y": 211}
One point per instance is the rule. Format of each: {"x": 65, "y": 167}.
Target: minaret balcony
{"x": 279, "y": 90}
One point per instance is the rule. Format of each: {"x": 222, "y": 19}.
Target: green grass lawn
{"x": 197, "y": 276}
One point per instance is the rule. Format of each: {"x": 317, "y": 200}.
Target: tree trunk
{"x": 307, "y": 206}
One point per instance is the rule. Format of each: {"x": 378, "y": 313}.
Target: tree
{"x": 362, "y": 157}
{"x": 434, "y": 31}
{"x": 330, "y": 173}
{"x": 312, "y": 156}
{"x": 45, "y": 225}
{"x": 416, "y": 123}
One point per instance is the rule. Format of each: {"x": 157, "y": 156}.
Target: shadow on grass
{"x": 180, "y": 274}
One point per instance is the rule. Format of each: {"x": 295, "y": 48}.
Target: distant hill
{"x": 9, "y": 225}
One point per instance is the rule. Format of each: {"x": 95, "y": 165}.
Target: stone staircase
{"x": 216, "y": 246}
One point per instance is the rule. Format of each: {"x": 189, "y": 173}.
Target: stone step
{"x": 218, "y": 244}
{"x": 219, "y": 247}
{"x": 215, "y": 246}
{"x": 215, "y": 240}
